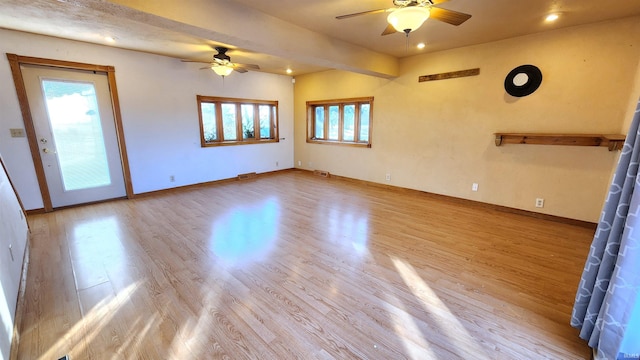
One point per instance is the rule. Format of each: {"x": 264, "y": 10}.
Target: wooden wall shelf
{"x": 613, "y": 142}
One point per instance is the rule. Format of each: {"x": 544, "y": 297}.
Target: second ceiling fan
{"x": 222, "y": 64}
{"x": 408, "y": 15}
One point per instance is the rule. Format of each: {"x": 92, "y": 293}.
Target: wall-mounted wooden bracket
{"x": 449, "y": 75}
{"x": 613, "y": 142}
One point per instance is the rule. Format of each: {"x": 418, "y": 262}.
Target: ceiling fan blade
{"x": 437, "y": 2}
{"x": 239, "y": 69}
{"x": 196, "y": 61}
{"x": 246, "y": 66}
{"x": 389, "y": 30}
{"x": 206, "y": 67}
{"x": 363, "y": 13}
{"x": 448, "y": 16}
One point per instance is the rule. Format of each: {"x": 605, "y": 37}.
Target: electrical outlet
{"x": 276, "y": 164}
{"x": 299, "y": 163}
{"x": 172, "y": 178}
{"x": 539, "y": 202}
{"x": 387, "y": 177}
{"x": 474, "y": 187}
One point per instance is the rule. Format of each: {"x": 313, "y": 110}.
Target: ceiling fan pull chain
{"x": 406, "y": 44}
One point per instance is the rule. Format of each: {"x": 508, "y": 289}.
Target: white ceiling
{"x": 301, "y": 34}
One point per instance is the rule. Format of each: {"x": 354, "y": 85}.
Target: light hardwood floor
{"x": 291, "y": 265}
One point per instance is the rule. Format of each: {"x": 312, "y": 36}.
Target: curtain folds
{"x": 610, "y": 282}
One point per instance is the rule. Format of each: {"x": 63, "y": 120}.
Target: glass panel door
{"x": 73, "y": 118}
{"x": 77, "y": 132}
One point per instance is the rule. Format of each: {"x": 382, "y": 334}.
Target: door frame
{"x": 15, "y": 61}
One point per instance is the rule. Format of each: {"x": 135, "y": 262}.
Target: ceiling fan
{"x": 222, "y": 64}
{"x": 408, "y": 15}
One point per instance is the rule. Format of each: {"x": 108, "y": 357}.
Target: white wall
{"x": 159, "y": 112}
{"x": 13, "y": 232}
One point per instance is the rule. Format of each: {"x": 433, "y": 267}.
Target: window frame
{"x": 341, "y": 103}
{"x": 274, "y": 124}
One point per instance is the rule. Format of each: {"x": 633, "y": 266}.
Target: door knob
{"x": 43, "y": 140}
{"x": 47, "y": 151}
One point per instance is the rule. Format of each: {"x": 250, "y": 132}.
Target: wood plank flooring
{"x": 293, "y": 266}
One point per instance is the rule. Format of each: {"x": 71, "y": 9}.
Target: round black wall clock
{"x": 523, "y": 80}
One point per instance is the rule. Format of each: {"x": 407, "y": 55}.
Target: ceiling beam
{"x": 249, "y": 29}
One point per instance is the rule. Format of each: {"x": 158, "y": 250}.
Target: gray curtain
{"x": 609, "y": 287}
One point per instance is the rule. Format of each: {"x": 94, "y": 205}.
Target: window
{"x": 228, "y": 121}
{"x": 344, "y": 121}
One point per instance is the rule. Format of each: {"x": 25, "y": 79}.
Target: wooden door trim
{"x": 15, "y": 61}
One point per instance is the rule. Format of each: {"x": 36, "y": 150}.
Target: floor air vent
{"x": 247, "y": 176}
{"x": 321, "y": 173}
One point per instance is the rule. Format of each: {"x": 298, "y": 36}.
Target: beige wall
{"x": 633, "y": 101}
{"x": 438, "y": 136}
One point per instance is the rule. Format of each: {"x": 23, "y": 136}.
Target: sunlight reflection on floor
{"x": 97, "y": 239}
{"x": 405, "y": 326}
{"x": 192, "y": 338}
{"x": 246, "y": 233}
{"x": 90, "y": 325}
{"x": 349, "y": 228}
{"x": 456, "y": 333}
{"x": 135, "y": 338}
{"x": 193, "y": 331}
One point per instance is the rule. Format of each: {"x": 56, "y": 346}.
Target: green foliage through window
{"x": 343, "y": 121}
{"x": 228, "y": 121}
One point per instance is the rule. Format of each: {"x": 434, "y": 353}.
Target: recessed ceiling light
{"x": 551, "y": 17}
{"x": 421, "y": 46}
{"x": 289, "y": 71}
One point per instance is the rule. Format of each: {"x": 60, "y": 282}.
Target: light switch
{"x": 17, "y": 133}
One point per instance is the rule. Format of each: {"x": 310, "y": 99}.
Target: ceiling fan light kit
{"x": 408, "y": 19}
{"x": 222, "y": 70}
{"x": 408, "y": 15}
{"x": 222, "y": 64}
